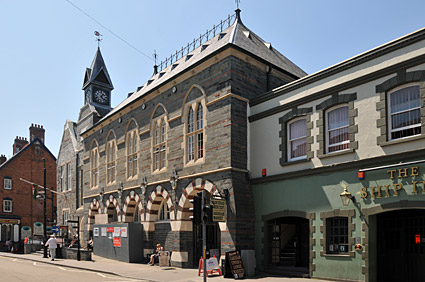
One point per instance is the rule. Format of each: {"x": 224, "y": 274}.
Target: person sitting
{"x": 155, "y": 255}
{"x": 74, "y": 242}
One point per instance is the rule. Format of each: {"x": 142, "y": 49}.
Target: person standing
{"x": 52, "y": 246}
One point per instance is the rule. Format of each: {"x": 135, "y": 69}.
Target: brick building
{"x": 18, "y": 209}
{"x": 183, "y": 131}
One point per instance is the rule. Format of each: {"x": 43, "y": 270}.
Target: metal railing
{"x": 196, "y": 42}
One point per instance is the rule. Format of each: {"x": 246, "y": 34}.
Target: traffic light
{"x": 34, "y": 192}
{"x": 208, "y": 213}
{"x": 196, "y": 209}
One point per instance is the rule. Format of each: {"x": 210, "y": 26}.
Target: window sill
{"x": 193, "y": 163}
{"x": 163, "y": 221}
{"x": 159, "y": 171}
{"x": 347, "y": 255}
{"x": 286, "y": 163}
{"x": 339, "y": 153}
{"x": 402, "y": 140}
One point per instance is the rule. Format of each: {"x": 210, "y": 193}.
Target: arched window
{"x": 94, "y": 167}
{"x": 131, "y": 154}
{"x": 195, "y": 132}
{"x": 159, "y": 144}
{"x": 111, "y": 161}
{"x": 164, "y": 213}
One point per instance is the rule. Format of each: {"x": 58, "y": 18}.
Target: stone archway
{"x": 93, "y": 210}
{"x": 112, "y": 208}
{"x": 131, "y": 202}
{"x": 155, "y": 199}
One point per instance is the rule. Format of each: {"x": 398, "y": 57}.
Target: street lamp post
{"x": 44, "y": 212}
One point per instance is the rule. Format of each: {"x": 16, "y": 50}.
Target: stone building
{"x": 19, "y": 211}
{"x": 183, "y": 131}
{"x": 354, "y": 131}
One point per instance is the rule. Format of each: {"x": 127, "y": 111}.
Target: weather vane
{"x": 98, "y": 39}
{"x": 237, "y": 3}
{"x": 155, "y": 56}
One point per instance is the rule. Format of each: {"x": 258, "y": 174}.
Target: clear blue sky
{"x": 46, "y": 45}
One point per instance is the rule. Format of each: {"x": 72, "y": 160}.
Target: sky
{"x": 46, "y": 45}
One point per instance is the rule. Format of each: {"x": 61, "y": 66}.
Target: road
{"x": 19, "y": 270}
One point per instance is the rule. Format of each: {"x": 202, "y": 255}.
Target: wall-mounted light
{"x": 346, "y": 197}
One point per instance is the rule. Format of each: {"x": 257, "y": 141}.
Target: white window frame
{"x": 7, "y": 206}
{"x": 94, "y": 168}
{"x": 389, "y": 118}
{"x": 159, "y": 145}
{"x": 132, "y": 151}
{"x": 289, "y": 140}
{"x": 65, "y": 216}
{"x": 7, "y": 183}
{"x": 195, "y": 132}
{"x": 345, "y": 126}
{"x": 111, "y": 156}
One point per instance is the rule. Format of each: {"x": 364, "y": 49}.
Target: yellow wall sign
{"x": 219, "y": 208}
{"x": 393, "y": 189}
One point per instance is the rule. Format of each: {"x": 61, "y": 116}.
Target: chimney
{"x": 19, "y": 144}
{"x": 3, "y": 159}
{"x": 36, "y": 131}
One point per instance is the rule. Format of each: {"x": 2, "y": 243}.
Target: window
{"x": 337, "y": 235}
{"x": 110, "y": 161}
{"x": 404, "y": 117}
{"x": 65, "y": 217}
{"x": 337, "y": 128}
{"x": 62, "y": 178}
{"x": 131, "y": 154}
{"x": 7, "y": 205}
{"x": 94, "y": 167}
{"x": 159, "y": 144}
{"x": 164, "y": 213}
{"x": 68, "y": 178}
{"x": 195, "y": 133}
{"x": 7, "y": 183}
{"x": 297, "y": 137}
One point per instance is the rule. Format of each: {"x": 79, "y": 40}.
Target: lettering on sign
{"x": 219, "y": 210}
{"x": 394, "y": 189}
{"x": 234, "y": 263}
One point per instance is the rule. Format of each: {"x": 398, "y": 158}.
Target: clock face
{"x": 100, "y": 97}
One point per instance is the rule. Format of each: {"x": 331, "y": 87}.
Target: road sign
{"x": 219, "y": 207}
{"x": 55, "y": 229}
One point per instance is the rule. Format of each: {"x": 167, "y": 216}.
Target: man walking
{"x": 52, "y": 246}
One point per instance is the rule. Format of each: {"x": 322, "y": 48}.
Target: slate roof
{"x": 237, "y": 35}
{"x": 98, "y": 73}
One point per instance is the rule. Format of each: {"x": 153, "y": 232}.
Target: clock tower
{"x": 97, "y": 85}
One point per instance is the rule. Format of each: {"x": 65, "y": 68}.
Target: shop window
{"x": 159, "y": 144}
{"x": 195, "y": 133}
{"x": 94, "y": 167}
{"x": 404, "y": 118}
{"x": 7, "y": 183}
{"x": 337, "y": 235}
{"x": 131, "y": 154}
{"x": 7, "y": 205}
{"x": 337, "y": 129}
{"x": 297, "y": 138}
{"x": 164, "y": 213}
{"x": 110, "y": 161}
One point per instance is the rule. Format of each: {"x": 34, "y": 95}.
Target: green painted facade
{"x": 319, "y": 194}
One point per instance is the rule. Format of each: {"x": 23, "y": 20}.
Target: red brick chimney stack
{"x": 3, "y": 159}
{"x": 19, "y": 143}
{"x": 36, "y": 131}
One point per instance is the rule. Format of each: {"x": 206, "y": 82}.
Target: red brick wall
{"x": 28, "y": 165}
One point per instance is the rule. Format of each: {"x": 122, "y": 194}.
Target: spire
{"x": 98, "y": 73}
{"x": 238, "y": 15}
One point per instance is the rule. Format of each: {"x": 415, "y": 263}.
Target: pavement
{"x": 143, "y": 271}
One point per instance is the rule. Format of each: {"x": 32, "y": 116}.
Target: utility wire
{"x": 113, "y": 33}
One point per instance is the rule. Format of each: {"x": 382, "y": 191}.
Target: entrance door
{"x": 401, "y": 246}
{"x": 288, "y": 244}
{"x": 213, "y": 241}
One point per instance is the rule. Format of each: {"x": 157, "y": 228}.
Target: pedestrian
{"x": 52, "y": 246}
{"x": 8, "y": 245}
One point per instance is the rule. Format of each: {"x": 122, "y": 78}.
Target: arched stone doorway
{"x": 133, "y": 208}
{"x": 93, "y": 210}
{"x": 112, "y": 209}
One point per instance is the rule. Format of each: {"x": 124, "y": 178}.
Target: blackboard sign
{"x": 234, "y": 267}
